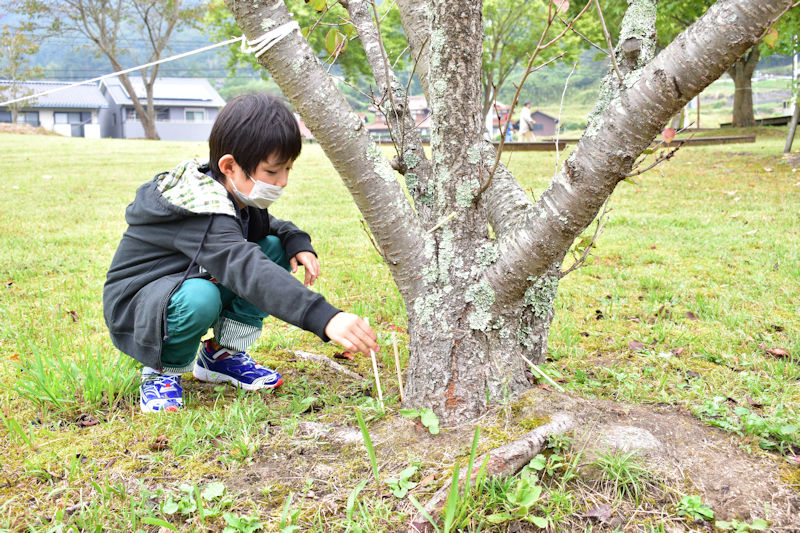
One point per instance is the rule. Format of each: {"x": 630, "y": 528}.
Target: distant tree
{"x": 16, "y": 47}
{"x": 108, "y": 24}
{"x": 511, "y": 31}
{"x": 674, "y": 16}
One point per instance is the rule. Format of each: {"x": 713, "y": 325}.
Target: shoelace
{"x": 241, "y": 358}
{"x": 153, "y": 384}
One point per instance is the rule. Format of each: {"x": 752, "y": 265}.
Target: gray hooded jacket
{"x": 184, "y": 224}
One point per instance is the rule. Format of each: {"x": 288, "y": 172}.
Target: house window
{"x": 538, "y": 127}
{"x": 162, "y": 114}
{"x": 5, "y": 116}
{"x": 29, "y": 117}
{"x": 195, "y": 115}
{"x": 64, "y": 117}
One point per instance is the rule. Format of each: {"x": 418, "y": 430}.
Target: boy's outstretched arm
{"x": 352, "y": 333}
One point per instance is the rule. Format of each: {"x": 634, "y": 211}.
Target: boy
{"x": 202, "y": 251}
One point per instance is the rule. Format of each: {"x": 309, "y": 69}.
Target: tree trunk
{"x": 742, "y": 74}
{"x": 792, "y": 126}
{"x": 464, "y": 357}
{"x": 147, "y": 120}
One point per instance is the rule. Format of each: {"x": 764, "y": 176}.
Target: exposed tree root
{"x": 503, "y": 461}
{"x": 327, "y": 361}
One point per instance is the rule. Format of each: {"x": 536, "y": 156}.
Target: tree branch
{"x": 341, "y": 133}
{"x": 411, "y": 156}
{"x": 622, "y": 130}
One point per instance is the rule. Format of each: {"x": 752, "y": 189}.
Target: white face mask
{"x": 262, "y": 195}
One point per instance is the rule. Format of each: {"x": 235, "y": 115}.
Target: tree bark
{"x": 742, "y": 73}
{"x": 476, "y": 301}
{"x": 792, "y": 127}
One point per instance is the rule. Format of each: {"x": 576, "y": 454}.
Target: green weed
{"x": 624, "y": 474}
{"x": 694, "y": 508}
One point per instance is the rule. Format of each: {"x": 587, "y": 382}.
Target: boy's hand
{"x": 352, "y": 333}
{"x": 310, "y": 261}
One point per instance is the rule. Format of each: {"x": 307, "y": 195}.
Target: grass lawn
{"x": 691, "y": 300}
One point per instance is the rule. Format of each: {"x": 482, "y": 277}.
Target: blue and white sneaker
{"x": 160, "y": 392}
{"x": 227, "y": 366}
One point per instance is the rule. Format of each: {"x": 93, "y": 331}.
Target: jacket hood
{"x": 170, "y": 195}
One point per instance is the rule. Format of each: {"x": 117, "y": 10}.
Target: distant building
{"x": 496, "y": 118}
{"x": 73, "y": 111}
{"x": 185, "y": 108}
{"x": 417, "y": 106}
{"x": 545, "y": 125}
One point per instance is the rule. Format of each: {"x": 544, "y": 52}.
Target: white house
{"x": 185, "y": 108}
{"x": 72, "y": 111}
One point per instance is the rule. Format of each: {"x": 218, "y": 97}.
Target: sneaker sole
{"x": 169, "y": 409}
{"x": 209, "y": 376}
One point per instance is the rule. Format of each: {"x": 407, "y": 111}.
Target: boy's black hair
{"x": 251, "y": 128}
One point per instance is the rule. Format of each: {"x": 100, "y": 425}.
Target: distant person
{"x": 526, "y": 124}
{"x": 201, "y": 251}
{"x": 508, "y": 126}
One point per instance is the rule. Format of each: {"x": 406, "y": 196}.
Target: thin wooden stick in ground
{"x": 375, "y": 371}
{"x": 397, "y": 364}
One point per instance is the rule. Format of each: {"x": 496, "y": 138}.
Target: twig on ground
{"x": 503, "y": 461}
{"x": 327, "y": 361}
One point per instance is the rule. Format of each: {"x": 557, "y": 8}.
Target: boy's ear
{"x": 226, "y": 165}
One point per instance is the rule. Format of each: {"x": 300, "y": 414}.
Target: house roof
{"x": 377, "y": 125}
{"x": 87, "y": 96}
{"x": 544, "y": 115}
{"x": 187, "y": 92}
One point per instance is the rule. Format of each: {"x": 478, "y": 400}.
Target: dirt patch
{"x": 793, "y": 160}
{"x": 703, "y": 459}
{"x": 24, "y": 129}
{"x": 689, "y": 456}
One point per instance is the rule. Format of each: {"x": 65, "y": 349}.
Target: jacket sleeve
{"x": 293, "y": 239}
{"x": 243, "y": 268}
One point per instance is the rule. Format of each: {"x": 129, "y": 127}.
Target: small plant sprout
{"x": 518, "y": 502}
{"x": 402, "y": 484}
{"x": 288, "y": 517}
{"x": 559, "y": 442}
{"x": 241, "y": 524}
{"x": 547, "y": 465}
{"x": 368, "y": 444}
{"x": 693, "y": 507}
{"x": 742, "y": 527}
{"x": 426, "y": 416}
